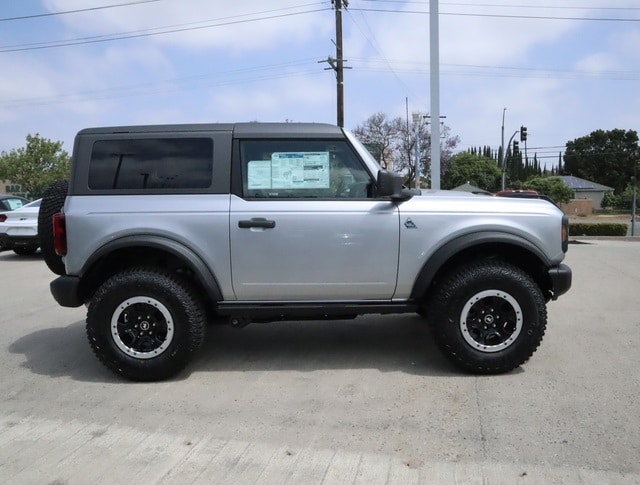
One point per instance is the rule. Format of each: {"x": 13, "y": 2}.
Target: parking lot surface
{"x": 367, "y": 401}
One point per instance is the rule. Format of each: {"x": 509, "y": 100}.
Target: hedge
{"x": 597, "y": 229}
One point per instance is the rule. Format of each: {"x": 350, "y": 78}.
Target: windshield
{"x": 364, "y": 153}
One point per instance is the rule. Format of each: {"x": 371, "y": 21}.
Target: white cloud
{"x": 203, "y": 24}
{"x": 598, "y": 62}
{"x": 463, "y": 39}
{"x": 293, "y": 99}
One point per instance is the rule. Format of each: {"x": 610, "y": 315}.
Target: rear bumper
{"x": 560, "y": 277}
{"x": 65, "y": 290}
{"x": 10, "y": 242}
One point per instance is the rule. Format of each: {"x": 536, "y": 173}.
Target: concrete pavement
{"x": 363, "y": 401}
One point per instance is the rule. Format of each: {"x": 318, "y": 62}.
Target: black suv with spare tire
{"x": 162, "y": 229}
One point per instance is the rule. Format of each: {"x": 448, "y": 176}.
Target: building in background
{"x": 586, "y": 190}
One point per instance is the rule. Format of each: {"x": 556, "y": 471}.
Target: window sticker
{"x": 259, "y": 174}
{"x": 290, "y": 170}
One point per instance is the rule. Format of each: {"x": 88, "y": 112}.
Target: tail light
{"x": 3, "y": 217}
{"x": 60, "y": 234}
{"x": 565, "y": 233}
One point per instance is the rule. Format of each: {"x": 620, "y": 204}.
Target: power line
{"x": 474, "y": 70}
{"x": 511, "y": 5}
{"x": 157, "y": 30}
{"x": 505, "y": 5}
{"x": 51, "y": 14}
{"x": 375, "y": 48}
{"x": 231, "y": 77}
{"x": 527, "y": 17}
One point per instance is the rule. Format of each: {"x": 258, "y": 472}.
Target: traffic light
{"x": 515, "y": 146}
{"x": 523, "y": 133}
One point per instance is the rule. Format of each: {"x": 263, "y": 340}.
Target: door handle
{"x": 257, "y": 222}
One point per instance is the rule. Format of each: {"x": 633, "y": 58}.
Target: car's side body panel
{"x": 317, "y": 250}
{"x": 197, "y": 222}
{"x": 432, "y": 223}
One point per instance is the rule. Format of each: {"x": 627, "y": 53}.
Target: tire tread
{"x": 52, "y": 202}
{"x": 445, "y": 327}
{"x": 170, "y": 362}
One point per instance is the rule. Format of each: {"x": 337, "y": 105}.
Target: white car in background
{"x": 19, "y": 229}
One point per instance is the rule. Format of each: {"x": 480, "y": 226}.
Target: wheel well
{"x": 121, "y": 259}
{"x": 509, "y": 253}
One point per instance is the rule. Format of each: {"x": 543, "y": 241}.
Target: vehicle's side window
{"x": 318, "y": 169}
{"x": 151, "y": 163}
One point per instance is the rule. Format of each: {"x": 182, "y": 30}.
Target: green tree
{"x": 606, "y": 157}
{"x": 478, "y": 170}
{"x": 554, "y": 187}
{"x": 610, "y": 200}
{"x": 36, "y": 165}
{"x": 626, "y": 197}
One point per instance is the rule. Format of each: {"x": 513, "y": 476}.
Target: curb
{"x": 574, "y": 239}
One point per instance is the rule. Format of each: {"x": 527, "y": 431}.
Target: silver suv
{"x": 164, "y": 228}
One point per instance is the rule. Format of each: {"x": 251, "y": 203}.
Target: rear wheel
{"x": 52, "y": 202}
{"x": 488, "y": 317}
{"x": 145, "y": 325}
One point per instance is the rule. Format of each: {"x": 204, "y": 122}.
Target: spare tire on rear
{"x": 52, "y": 202}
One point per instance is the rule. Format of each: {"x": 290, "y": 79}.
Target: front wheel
{"x": 488, "y": 317}
{"x": 145, "y": 325}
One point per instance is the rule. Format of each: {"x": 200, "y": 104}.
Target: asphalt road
{"x": 363, "y": 401}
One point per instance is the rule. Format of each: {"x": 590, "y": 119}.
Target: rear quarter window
{"x": 151, "y": 164}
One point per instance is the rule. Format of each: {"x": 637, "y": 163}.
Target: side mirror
{"x": 390, "y": 185}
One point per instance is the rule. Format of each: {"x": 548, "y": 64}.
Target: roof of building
{"x": 576, "y": 183}
{"x": 471, "y": 188}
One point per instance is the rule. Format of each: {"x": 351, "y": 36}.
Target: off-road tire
{"x": 488, "y": 317}
{"x": 145, "y": 324}
{"x": 52, "y": 202}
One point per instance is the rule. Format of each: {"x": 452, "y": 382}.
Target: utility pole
{"x": 338, "y": 63}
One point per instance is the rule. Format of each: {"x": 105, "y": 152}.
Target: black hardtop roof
{"x": 253, "y": 129}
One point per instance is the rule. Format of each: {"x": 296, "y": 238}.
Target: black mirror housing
{"x": 390, "y": 185}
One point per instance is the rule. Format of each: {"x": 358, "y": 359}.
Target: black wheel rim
{"x": 491, "y": 321}
{"x": 142, "y": 327}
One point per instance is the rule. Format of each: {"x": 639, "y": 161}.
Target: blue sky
{"x": 563, "y": 68}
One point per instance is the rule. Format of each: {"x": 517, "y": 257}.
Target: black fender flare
{"x": 194, "y": 262}
{"x": 451, "y": 248}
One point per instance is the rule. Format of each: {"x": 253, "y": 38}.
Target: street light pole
{"x": 634, "y": 180}
{"x": 502, "y": 158}
{"x": 416, "y": 120}
{"x": 633, "y": 211}
{"x": 434, "y": 63}
{"x": 339, "y": 62}
{"x": 508, "y": 147}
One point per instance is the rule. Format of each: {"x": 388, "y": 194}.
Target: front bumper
{"x": 66, "y": 291}
{"x": 560, "y": 277}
